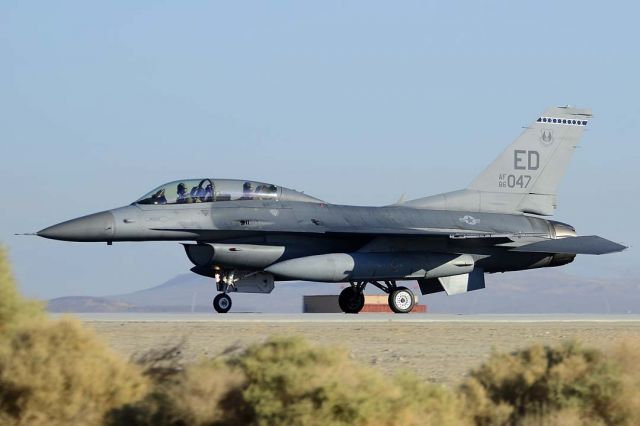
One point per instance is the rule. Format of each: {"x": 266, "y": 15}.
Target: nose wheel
{"x": 222, "y": 303}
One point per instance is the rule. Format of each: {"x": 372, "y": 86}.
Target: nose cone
{"x": 94, "y": 227}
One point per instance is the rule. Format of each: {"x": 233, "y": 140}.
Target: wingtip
{"x": 623, "y": 247}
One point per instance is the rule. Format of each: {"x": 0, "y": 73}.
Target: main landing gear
{"x": 401, "y": 300}
{"x": 351, "y": 299}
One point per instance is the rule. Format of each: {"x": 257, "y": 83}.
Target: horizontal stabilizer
{"x": 589, "y": 244}
{"x": 455, "y": 284}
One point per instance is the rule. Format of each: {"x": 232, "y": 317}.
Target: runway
{"x": 344, "y": 318}
{"x": 437, "y": 348}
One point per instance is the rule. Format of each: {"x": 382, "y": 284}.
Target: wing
{"x": 589, "y": 244}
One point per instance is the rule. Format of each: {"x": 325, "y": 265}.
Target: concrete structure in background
{"x": 328, "y": 304}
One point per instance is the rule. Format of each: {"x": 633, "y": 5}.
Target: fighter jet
{"x": 248, "y": 235}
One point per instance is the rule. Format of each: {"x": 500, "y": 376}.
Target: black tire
{"x": 401, "y": 300}
{"x": 351, "y": 301}
{"x": 222, "y": 303}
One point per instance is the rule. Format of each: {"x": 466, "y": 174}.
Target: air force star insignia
{"x": 469, "y": 220}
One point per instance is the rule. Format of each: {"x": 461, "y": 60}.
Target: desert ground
{"x": 438, "y": 348}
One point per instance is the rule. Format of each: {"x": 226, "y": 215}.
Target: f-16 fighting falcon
{"x": 248, "y": 235}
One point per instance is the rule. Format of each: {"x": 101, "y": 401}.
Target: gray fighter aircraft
{"x": 247, "y": 235}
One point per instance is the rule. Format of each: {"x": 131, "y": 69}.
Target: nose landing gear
{"x": 222, "y": 303}
{"x": 225, "y": 282}
{"x": 239, "y": 281}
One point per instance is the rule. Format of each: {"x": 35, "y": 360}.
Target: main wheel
{"x": 222, "y": 303}
{"x": 351, "y": 301}
{"x": 401, "y": 300}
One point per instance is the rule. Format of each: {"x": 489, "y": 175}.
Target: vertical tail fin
{"x": 524, "y": 178}
{"x": 534, "y": 163}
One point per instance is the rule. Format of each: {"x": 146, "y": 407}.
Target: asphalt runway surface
{"x": 344, "y": 318}
{"x": 438, "y": 348}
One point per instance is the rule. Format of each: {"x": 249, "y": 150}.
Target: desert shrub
{"x": 200, "y": 395}
{"x": 626, "y": 353}
{"x": 562, "y": 417}
{"x": 13, "y": 307}
{"x": 288, "y": 381}
{"x": 483, "y": 410}
{"x": 56, "y": 372}
{"x": 291, "y": 382}
{"x": 203, "y": 393}
{"x": 540, "y": 383}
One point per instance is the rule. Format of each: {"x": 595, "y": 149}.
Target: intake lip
{"x": 94, "y": 227}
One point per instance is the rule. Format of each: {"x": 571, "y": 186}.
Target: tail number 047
{"x": 513, "y": 181}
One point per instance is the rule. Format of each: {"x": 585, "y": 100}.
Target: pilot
{"x": 270, "y": 191}
{"x": 247, "y": 191}
{"x": 208, "y": 193}
{"x": 182, "y": 194}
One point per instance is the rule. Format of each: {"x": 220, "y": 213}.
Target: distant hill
{"x": 540, "y": 291}
{"x": 193, "y": 293}
{"x": 87, "y": 304}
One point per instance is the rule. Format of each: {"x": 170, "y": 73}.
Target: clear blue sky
{"x": 352, "y": 102}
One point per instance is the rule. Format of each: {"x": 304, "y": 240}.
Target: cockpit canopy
{"x": 206, "y": 190}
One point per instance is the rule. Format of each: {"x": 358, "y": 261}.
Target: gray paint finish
{"x": 233, "y": 230}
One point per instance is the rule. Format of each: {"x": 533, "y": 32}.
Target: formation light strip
{"x": 566, "y": 121}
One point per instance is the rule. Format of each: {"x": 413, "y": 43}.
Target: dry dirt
{"x": 440, "y": 352}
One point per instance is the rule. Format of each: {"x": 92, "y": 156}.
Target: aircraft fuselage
{"x": 306, "y": 229}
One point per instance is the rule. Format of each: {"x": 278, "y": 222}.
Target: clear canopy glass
{"x": 209, "y": 190}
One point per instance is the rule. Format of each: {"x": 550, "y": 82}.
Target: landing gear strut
{"x": 222, "y": 303}
{"x": 401, "y": 299}
{"x": 224, "y": 283}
